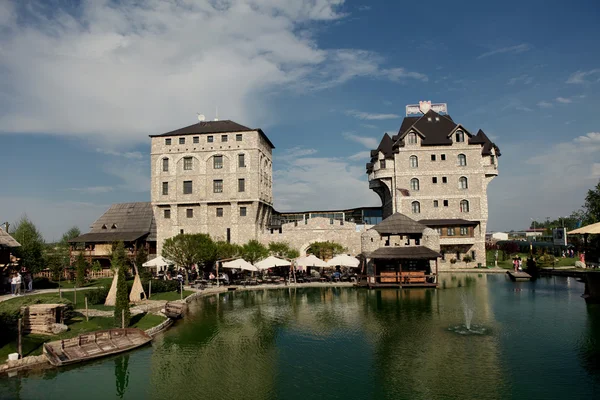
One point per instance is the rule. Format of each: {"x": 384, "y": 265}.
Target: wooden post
{"x": 19, "y": 343}
{"x": 75, "y": 296}
{"x": 86, "y": 310}
{"x": 181, "y": 291}
{"x": 149, "y": 288}
{"x": 123, "y": 319}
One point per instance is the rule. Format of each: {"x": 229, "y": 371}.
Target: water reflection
{"x": 121, "y": 374}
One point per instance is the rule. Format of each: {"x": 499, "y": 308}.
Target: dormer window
{"x": 460, "y": 136}
{"x": 412, "y": 138}
{"x": 114, "y": 226}
{"x": 104, "y": 226}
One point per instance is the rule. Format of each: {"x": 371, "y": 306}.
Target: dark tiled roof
{"x": 435, "y": 131}
{"x": 6, "y": 240}
{"x": 448, "y": 222}
{"x": 405, "y": 253}
{"x": 369, "y": 167}
{"x": 204, "y": 127}
{"x": 397, "y": 224}
{"x": 407, "y": 122}
{"x": 122, "y": 222}
{"x": 481, "y": 138}
{"x": 385, "y": 146}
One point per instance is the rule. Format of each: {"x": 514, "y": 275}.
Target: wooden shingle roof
{"x": 397, "y": 224}
{"x": 6, "y": 240}
{"x": 404, "y": 253}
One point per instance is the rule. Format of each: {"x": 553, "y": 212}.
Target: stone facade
{"x": 429, "y": 173}
{"x": 214, "y": 177}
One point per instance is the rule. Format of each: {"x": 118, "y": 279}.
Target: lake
{"x": 527, "y": 340}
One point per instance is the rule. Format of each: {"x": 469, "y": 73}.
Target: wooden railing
{"x": 104, "y": 273}
{"x": 404, "y": 277}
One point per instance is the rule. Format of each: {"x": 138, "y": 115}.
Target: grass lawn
{"x": 32, "y": 344}
{"x": 19, "y": 301}
{"x": 507, "y": 264}
{"x": 170, "y": 296}
{"x": 106, "y": 282}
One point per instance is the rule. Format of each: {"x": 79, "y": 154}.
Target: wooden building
{"x": 400, "y": 252}
{"x": 130, "y": 223}
{"x": 7, "y": 243}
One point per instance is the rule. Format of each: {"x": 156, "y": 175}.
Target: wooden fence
{"x": 70, "y": 274}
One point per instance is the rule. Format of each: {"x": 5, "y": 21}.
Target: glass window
{"x": 460, "y": 136}
{"x": 223, "y": 138}
{"x": 165, "y": 164}
{"x": 165, "y": 188}
{"x": 196, "y": 139}
{"x": 238, "y": 137}
{"x": 381, "y": 163}
{"x": 462, "y": 160}
{"x": 187, "y": 187}
{"x": 218, "y": 186}
{"x": 433, "y": 157}
{"x": 444, "y": 179}
{"x": 462, "y": 182}
{"x": 451, "y": 232}
{"x": 167, "y": 213}
{"x": 187, "y": 163}
{"x": 168, "y": 141}
{"x": 241, "y": 185}
{"x": 439, "y": 231}
{"x": 435, "y": 203}
{"x": 210, "y": 138}
{"x": 241, "y": 161}
{"x": 181, "y": 140}
{"x": 464, "y": 231}
{"x": 217, "y": 162}
{"x": 443, "y": 157}
{"x": 219, "y": 212}
{"x": 416, "y": 207}
{"x": 445, "y": 203}
{"x": 189, "y": 213}
{"x": 414, "y": 184}
{"x": 414, "y": 162}
{"x": 492, "y": 160}
{"x": 464, "y": 206}
{"x": 412, "y": 138}
{"x": 243, "y": 211}
{"x": 434, "y": 179}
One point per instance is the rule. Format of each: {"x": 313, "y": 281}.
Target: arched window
{"x": 460, "y": 136}
{"x": 416, "y": 207}
{"x": 462, "y": 182}
{"x": 414, "y": 184}
{"x": 462, "y": 160}
{"x": 412, "y": 138}
{"x": 464, "y": 206}
{"x": 165, "y": 165}
{"x": 414, "y": 162}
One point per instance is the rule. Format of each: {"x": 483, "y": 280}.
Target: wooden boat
{"x": 94, "y": 345}
{"x": 519, "y": 276}
{"x": 174, "y": 310}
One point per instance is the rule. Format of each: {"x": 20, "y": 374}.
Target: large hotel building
{"x": 216, "y": 177}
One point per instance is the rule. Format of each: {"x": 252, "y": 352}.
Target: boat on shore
{"x": 93, "y": 345}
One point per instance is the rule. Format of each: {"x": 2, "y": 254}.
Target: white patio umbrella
{"x": 344, "y": 260}
{"x": 240, "y": 263}
{"x": 271, "y": 262}
{"x": 157, "y": 263}
{"x": 310, "y": 261}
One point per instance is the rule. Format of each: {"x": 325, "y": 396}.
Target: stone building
{"x": 212, "y": 177}
{"x": 436, "y": 171}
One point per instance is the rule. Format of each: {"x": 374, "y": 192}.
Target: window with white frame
{"x": 414, "y": 184}
{"x": 460, "y": 136}
{"x": 167, "y": 141}
{"x": 187, "y": 163}
{"x": 416, "y": 207}
{"x": 464, "y": 231}
{"x": 217, "y": 162}
{"x": 218, "y": 186}
{"x": 462, "y": 182}
{"x": 462, "y": 160}
{"x": 181, "y": 140}
{"x": 414, "y": 162}
{"x": 412, "y": 138}
{"x": 450, "y": 232}
{"x": 464, "y": 206}
{"x": 165, "y": 165}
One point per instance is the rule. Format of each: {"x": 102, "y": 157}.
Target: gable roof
{"x": 385, "y": 146}
{"x": 6, "y": 240}
{"x": 405, "y": 253}
{"x": 124, "y": 221}
{"x": 205, "y": 127}
{"x": 481, "y": 138}
{"x": 399, "y": 224}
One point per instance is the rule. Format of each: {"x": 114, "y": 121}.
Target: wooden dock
{"x": 519, "y": 276}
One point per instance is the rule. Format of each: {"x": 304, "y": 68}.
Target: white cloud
{"x": 368, "y": 142}
{"x": 564, "y": 100}
{"x": 364, "y": 8}
{"x": 136, "y": 155}
{"x": 295, "y": 152}
{"x": 369, "y": 126}
{"x": 592, "y": 138}
{"x": 581, "y": 76}
{"x": 94, "y": 189}
{"x": 544, "y": 104}
{"x": 520, "y": 48}
{"x": 134, "y": 175}
{"x": 370, "y": 116}
{"x": 524, "y": 79}
{"x": 360, "y": 156}
{"x": 121, "y": 71}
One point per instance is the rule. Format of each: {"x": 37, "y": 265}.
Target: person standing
{"x": 18, "y": 283}
{"x": 29, "y": 282}
{"x": 13, "y": 284}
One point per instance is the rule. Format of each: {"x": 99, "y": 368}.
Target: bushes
{"x": 10, "y": 311}
{"x": 467, "y": 259}
{"x": 160, "y": 286}
{"x": 44, "y": 283}
{"x": 97, "y": 296}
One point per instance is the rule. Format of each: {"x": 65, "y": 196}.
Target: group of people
{"x": 18, "y": 282}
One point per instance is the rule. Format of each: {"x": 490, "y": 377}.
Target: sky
{"x": 83, "y": 84}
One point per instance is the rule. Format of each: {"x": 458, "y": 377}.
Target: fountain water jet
{"x": 468, "y": 309}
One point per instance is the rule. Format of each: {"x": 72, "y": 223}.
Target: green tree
{"x": 141, "y": 256}
{"x": 254, "y": 251}
{"x": 31, "y": 252}
{"x": 188, "y": 249}
{"x": 591, "y": 208}
{"x": 118, "y": 263}
{"x": 81, "y": 266}
{"x": 283, "y": 249}
{"x": 326, "y": 250}
{"x": 224, "y": 250}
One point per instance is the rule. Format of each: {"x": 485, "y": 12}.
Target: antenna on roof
{"x": 217, "y": 114}
{"x": 201, "y": 117}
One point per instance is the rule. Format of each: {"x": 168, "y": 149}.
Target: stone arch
{"x": 306, "y": 245}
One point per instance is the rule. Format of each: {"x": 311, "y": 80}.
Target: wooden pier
{"x": 519, "y": 276}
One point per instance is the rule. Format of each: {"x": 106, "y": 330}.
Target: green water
{"x": 539, "y": 341}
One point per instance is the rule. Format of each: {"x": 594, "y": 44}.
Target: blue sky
{"x": 83, "y": 84}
